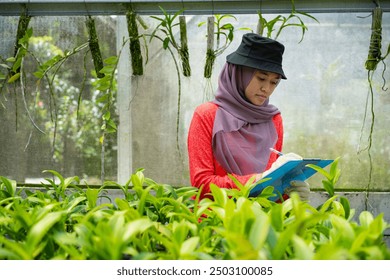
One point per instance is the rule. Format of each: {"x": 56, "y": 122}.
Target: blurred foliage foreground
{"x": 156, "y": 221}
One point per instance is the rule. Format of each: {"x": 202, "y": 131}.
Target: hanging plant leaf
{"x": 14, "y": 78}
{"x": 166, "y": 26}
{"x": 94, "y": 46}
{"x": 23, "y": 23}
{"x": 166, "y": 43}
{"x": 284, "y": 21}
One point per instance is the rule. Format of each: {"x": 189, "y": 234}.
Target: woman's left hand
{"x": 300, "y": 187}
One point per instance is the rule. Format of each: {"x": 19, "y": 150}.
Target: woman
{"x": 233, "y": 134}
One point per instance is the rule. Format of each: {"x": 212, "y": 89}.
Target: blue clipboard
{"x": 292, "y": 170}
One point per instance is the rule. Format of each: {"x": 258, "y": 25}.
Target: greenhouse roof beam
{"x": 118, "y": 7}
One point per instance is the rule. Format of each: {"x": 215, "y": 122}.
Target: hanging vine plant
{"x": 134, "y": 44}
{"x": 166, "y": 27}
{"x": 374, "y": 57}
{"x": 220, "y": 35}
{"x": 210, "y": 54}
{"x": 183, "y": 49}
{"x": 23, "y": 34}
{"x": 220, "y": 32}
{"x": 94, "y": 46}
{"x": 49, "y": 76}
{"x": 49, "y": 70}
{"x": 23, "y": 23}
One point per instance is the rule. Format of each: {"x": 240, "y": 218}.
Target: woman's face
{"x": 261, "y": 86}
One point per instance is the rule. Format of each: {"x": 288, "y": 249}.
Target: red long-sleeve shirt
{"x": 204, "y": 168}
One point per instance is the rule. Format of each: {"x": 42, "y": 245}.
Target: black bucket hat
{"x": 260, "y": 53}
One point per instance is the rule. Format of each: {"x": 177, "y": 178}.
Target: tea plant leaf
{"x": 92, "y": 196}
{"x": 116, "y": 224}
{"x": 70, "y": 246}
{"x": 378, "y": 226}
{"x": 122, "y": 204}
{"x": 267, "y": 192}
{"x": 283, "y": 240}
{"x": 325, "y": 207}
{"x": 220, "y": 196}
{"x": 372, "y": 253}
{"x": 13, "y": 250}
{"x": 277, "y": 217}
{"x": 188, "y": 247}
{"x": 8, "y": 202}
{"x": 368, "y": 238}
{"x": 10, "y": 186}
{"x": 337, "y": 209}
{"x": 329, "y": 188}
{"x": 218, "y": 211}
{"x": 74, "y": 202}
{"x": 143, "y": 198}
{"x": 69, "y": 182}
{"x": 259, "y": 231}
{"x": 180, "y": 209}
{"x": 39, "y": 230}
{"x": 287, "y": 207}
{"x": 347, "y": 208}
{"x": 320, "y": 170}
{"x": 203, "y": 208}
{"x": 239, "y": 185}
{"x": 302, "y": 251}
{"x": 180, "y": 232}
{"x": 339, "y": 225}
{"x": 334, "y": 171}
{"x": 365, "y": 219}
{"x": 138, "y": 179}
{"x": 56, "y": 174}
{"x": 59, "y": 190}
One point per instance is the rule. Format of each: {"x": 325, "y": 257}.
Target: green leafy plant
{"x": 8, "y": 187}
{"x": 280, "y": 22}
{"x": 162, "y": 222}
{"x": 331, "y": 177}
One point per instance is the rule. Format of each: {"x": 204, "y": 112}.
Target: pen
{"x": 276, "y": 151}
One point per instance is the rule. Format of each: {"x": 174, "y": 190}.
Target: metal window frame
{"x": 118, "y": 7}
